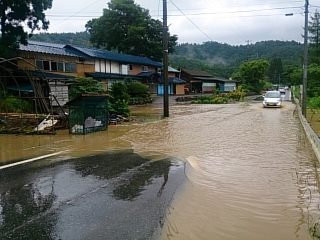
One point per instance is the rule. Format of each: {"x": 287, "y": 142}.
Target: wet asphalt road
{"x": 114, "y": 195}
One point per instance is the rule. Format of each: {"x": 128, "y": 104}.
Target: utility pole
{"x": 165, "y": 62}
{"x": 305, "y": 62}
{"x": 248, "y": 41}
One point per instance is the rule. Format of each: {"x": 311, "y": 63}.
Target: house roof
{"x": 21, "y": 88}
{"x": 147, "y": 74}
{"x": 172, "y": 80}
{"x": 48, "y": 75}
{"x": 216, "y": 79}
{"x": 50, "y": 48}
{"x": 108, "y": 55}
{"x": 226, "y": 80}
{"x": 88, "y": 99}
{"x": 205, "y": 78}
{"x": 196, "y": 73}
{"x": 171, "y": 69}
{"x": 83, "y": 52}
{"x": 111, "y": 75}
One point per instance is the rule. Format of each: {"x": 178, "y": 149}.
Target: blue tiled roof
{"x": 21, "y": 88}
{"x": 172, "y": 80}
{"x": 47, "y": 74}
{"x": 146, "y": 74}
{"x": 111, "y": 75}
{"x": 50, "y": 48}
{"x": 123, "y": 58}
{"x": 76, "y": 51}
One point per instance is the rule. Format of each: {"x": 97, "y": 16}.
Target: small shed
{"x": 88, "y": 113}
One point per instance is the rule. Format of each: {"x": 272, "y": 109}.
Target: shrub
{"x": 314, "y": 103}
{"x": 202, "y": 98}
{"x": 220, "y": 100}
{"x": 118, "y": 91}
{"x": 119, "y": 107}
{"x": 216, "y": 91}
{"x": 235, "y": 95}
{"x": 84, "y": 85}
{"x": 119, "y": 99}
{"x": 16, "y": 105}
{"x": 138, "y": 90}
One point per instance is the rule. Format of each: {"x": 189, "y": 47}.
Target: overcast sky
{"x": 235, "y": 22}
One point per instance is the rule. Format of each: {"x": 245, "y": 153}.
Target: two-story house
{"x": 175, "y": 84}
{"x": 46, "y": 68}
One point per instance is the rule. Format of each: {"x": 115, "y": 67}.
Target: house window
{"x": 130, "y": 67}
{"x": 70, "y": 67}
{"x": 60, "y": 67}
{"x": 46, "y": 65}
{"x": 144, "y": 68}
{"x": 56, "y": 66}
{"x": 39, "y": 64}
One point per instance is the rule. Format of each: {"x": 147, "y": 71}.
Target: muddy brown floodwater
{"x": 251, "y": 171}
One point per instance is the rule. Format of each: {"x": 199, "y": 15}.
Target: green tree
{"x": 84, "y": 85}
{"x": 119, "y": 99}
{"x": 314, "y": 38}
{"x": 288, "y": 75}
{"x": 253, "y": 74}
{"x": 313, "y": 84}
{"x": 275, "y": 71}
{"x": 127, "y": 28}
{"x": 15, "y": 14}
{"x": 138, "y": 90}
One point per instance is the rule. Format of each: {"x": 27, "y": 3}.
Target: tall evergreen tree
{"x": 314, "y": 38}
{"x": 127, "y": 28}
{"x": 275, "y": 71}
{"x": 15, "y": 14}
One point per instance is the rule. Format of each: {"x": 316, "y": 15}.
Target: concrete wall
{"x": 311, "y": 135}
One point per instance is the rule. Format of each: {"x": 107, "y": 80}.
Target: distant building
{"x": 202, "y": 82}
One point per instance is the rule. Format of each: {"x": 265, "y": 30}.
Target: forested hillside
{"x": 223, "y": 59}
{"x": 224, "y": 54}
{"x": 78, "y": 38}
{"x": 216, "y": 58}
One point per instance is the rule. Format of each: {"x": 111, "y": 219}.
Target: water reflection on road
{"x": 111, "y": 195}
{"x": 251, "y": 173}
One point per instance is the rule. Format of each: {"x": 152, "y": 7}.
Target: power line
{"x": 257, "y": 4}
{"x": 241, "y": 11}
{"x": 247, "y": 16}
{"x": 191, "y": 21}
{"x": 232, "y": 21}
{"x": 85, "y": 17}
{"x": 76, "y": 13}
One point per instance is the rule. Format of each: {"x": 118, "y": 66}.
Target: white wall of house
{"x": 115, "y": 67}
{"x": 106, "y": 66}
{"x": 124, "y": 69}
{"x": 228, "y": 87}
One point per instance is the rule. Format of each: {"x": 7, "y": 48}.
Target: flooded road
{"x": 249, "y": 173}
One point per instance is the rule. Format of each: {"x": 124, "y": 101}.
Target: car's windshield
{"x": 272, "y": 95}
